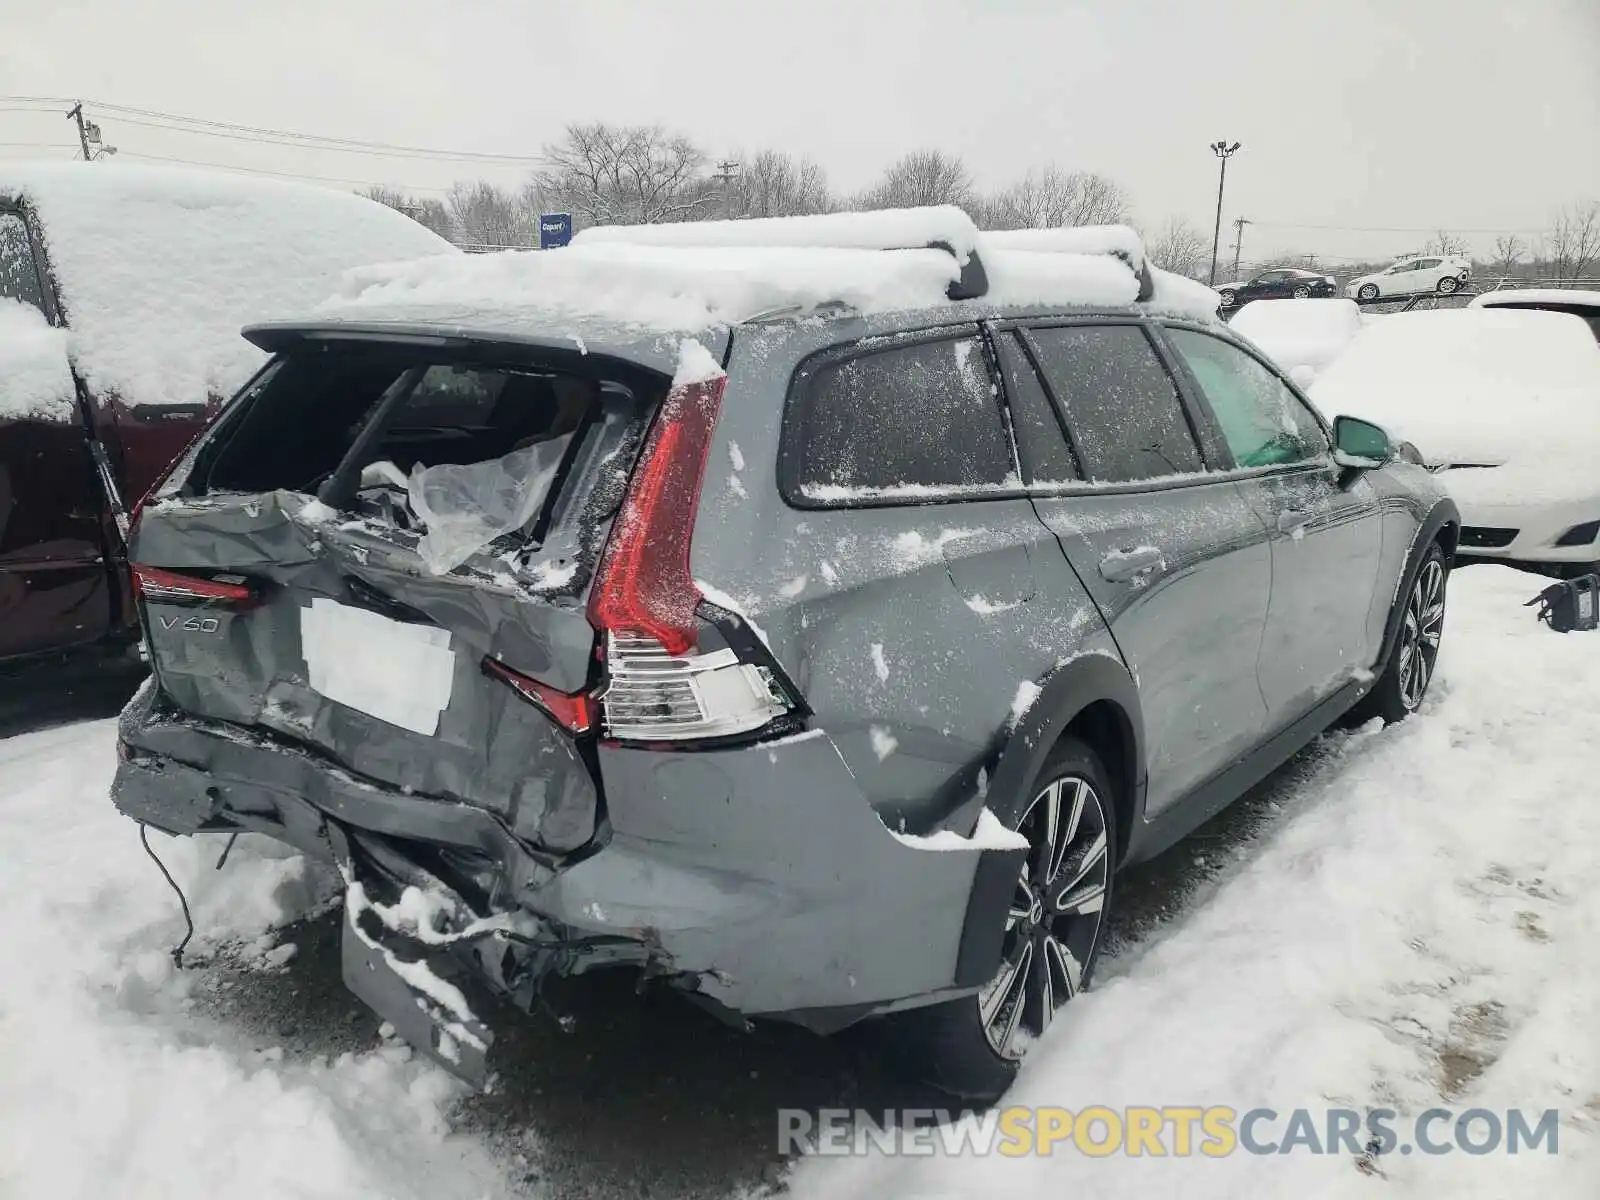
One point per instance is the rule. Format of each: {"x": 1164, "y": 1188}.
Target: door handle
{"x": 1292, "y": 520}
{"x": 1118, "y": 566}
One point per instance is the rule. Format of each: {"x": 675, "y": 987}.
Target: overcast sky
{"x": 1471, "y": 115}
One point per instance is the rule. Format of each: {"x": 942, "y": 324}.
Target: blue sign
{"x": 555, "y": 229}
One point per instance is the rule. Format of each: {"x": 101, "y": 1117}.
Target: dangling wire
{"x": 188, "y": 921}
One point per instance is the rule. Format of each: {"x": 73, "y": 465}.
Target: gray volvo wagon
{"x": 824, "y": 658}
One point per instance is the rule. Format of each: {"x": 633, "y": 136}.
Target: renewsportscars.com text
{"x": 1166, "y": 1131}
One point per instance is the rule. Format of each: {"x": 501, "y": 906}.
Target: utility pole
{"x": 727, "y": 170}
{"x": 1238, "y": 240}
{"x": 1223, "y": 151}
{"x": 88, "y": 134}
{"x": 76, "y": 114}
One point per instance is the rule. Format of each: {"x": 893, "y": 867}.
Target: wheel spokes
{"x": 1001, "y": 1008}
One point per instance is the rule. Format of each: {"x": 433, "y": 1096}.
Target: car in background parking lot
{"x": 1574, "y": 301}
{"x": 812, "y": 615}
{"x": 122, "y": 290}
{"x": 1504, "y": 406}
{"x": 1279, "y": 283}
{"x": 1444, "y": 274}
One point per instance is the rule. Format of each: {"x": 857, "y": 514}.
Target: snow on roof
{"x": 654, "y": 288}
{"x": 885, "y": 229}
{"x": 1296, "y": 333}
{"x": 1468, "y": 385}
{"x": 1536, "y": 296}
{"x": 683, "y": 278}
{"x": 159, "y": 267}
{"x": 1120, "y": 240}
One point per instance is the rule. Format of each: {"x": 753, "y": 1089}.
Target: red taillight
{"x": 174, "y": 587}
{"x": 643, "y": 585}
{"x": 573, "y": 710}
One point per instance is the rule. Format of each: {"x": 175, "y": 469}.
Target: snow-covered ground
{"x": 1415, "y": 928}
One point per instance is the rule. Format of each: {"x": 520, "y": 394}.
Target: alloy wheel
{"x": 1368, "y": 292}
{"x": 1448, "y": 284}
{"x": 1419, "y": 637}
{"x": 1055, "y": 916}
{"x": 1302, "y": 293}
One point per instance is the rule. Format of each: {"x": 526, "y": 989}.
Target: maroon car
{"x": 122, "y": 291}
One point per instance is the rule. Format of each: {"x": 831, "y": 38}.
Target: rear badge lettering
{"x": 191, "y": 624}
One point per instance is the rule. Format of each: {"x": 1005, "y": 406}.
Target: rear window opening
{"x": 464, "y": 444}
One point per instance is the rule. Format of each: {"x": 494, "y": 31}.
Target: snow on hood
{"x": 34, "y": 378}
{"x": 158, "y": 268}
{"x": 1519, "y": 390}
{"x": 1300, "y": 333}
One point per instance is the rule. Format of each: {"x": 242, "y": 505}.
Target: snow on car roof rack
{"x": 1118, "y": 241}
{"x": 935, "y": 227}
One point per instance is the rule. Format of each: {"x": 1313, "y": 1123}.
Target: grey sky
{"x": 1407, "y": 114}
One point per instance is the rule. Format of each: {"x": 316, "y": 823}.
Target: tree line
{"x": 605, "y": 174}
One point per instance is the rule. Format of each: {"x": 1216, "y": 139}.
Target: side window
{"x": 1263, "y": 422}
{"x": 1427, "y": 264}
{"x": 1041, "y": 444}
{"x": 925, "y": 415}
{"x": 19, "y": 275}
{"x": 1122, "y": 407}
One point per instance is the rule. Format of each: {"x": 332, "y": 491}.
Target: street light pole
{"x": 1223, "y": 151}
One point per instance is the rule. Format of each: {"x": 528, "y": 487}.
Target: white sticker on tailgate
{"x": 388, "y": 669}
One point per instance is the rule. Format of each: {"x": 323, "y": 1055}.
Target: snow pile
{"x": 640, "y": 288}
{"x": 1300, "y": 333}
{"x": 35, "y": 380}
{"x": 1179, "y": 296}
{"x": 884, "y": 229}
{"x": 1418, "y": 931}
{"x": 1536, "y": 297}
{"x": 1020, "y": 278}
{"x": 111, "y": 1083}
{"x": 1484, "y": 387}
{"x": 1097, "y": 240}
{"x": 158, "y": 268}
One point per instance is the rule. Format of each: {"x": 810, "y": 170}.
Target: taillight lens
{"x": 175, "y": 587}
{"x": 643, "y": 585}
{"x": 575, "y": 711}
{"x": 656, "y": 696}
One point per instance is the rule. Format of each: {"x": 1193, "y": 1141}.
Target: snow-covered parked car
{"x": 122, "y": 291}
{"x": 811, "y": 615}
{"x": 1576, "y": 301}
{"x": 1301, "y": 336}
{"x": 1505, "y": 405}
{"x": 1444, "y": 274}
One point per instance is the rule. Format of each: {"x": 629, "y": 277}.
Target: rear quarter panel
{"x": 916, "y": 633}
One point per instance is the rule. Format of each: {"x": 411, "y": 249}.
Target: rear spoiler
{"x": 942, "y": 227}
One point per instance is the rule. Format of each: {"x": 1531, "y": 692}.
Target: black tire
{"x": 1367, "y": 291}
{"x": 1448, "y": 285}
{"x": 1301, "y": 293}
{"x": 1400, "y": 691}
{"x": 953, "y": 1045}
{"x": 1229, "y": 298}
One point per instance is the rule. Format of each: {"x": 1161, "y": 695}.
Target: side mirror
{"x": 1360, "y": 445}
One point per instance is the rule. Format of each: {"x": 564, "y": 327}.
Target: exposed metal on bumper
{"x": 759, "y": 877}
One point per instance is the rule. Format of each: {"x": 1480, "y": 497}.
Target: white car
{"x": 1410, "y": 276}
{"x": 1505, "y": 406}
{"x": 1563, "y": 300}
{"x": 1301, "y": 336}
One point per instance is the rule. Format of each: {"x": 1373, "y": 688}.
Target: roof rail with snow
{"x": 936, "y": 227}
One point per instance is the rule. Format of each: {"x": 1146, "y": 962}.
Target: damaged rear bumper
{"x": 758, "y": 878}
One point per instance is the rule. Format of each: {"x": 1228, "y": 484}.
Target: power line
{"x": 201, "y": 126}
{"x": 192, "y": 162}
{"x": 1390, "y": 229}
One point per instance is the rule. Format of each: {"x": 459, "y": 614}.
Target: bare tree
{"x": 1445, "y": 243}
{"x": 1573, "y": 244}
{"x": 1508, "y": 252}
{"x": 429, "y": 213}
{"x": 774, "y": 184}
{"x": 1179, "y": 246}
{"x": 1054, "y": 197}
{"x": 921, "y": 177}
{"x": 485, "y": 215}
{"x": 626, "y": 174}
